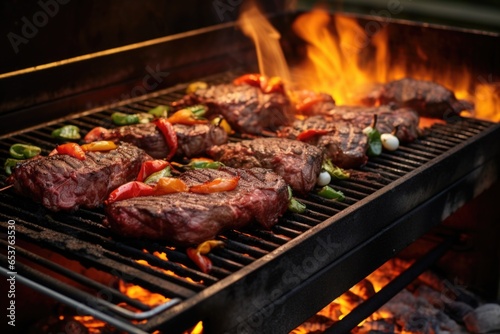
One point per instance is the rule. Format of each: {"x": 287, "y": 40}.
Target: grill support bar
{"x": 79, "y": 306}
{"x": 338, "y": 276}
{"x": 364, "y": 310}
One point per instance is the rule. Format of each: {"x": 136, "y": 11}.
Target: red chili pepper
{"x": 216, "y": 185}
{"x": 95, "y": 134}
{"x": 200, "y": 260}
{"x": 266, "y": 85}
{"x": 71, "y": 149}
{"x": 130, "y": 190}
{"x": 168, "y": 132}
{"x": 307, "y": 134}
{"x": 273, "y": 85}
{"x": 150, "y": 167}
{"x": 252, "y": 79}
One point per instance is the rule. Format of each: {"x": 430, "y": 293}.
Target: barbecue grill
{"x": 262, "y": 281}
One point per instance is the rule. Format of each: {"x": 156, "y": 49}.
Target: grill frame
{"x": 472, "y": 157}
{"x": 474, "y": 162}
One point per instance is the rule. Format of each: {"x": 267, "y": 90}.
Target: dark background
{"x": 76, "y": 27}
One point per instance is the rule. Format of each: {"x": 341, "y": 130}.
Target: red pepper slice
{"x": 307, "y": 134}
{"x": 200, "y": 260}
{"x": 130, "y": 190}
{"x": 95, "y": 134}
{"x": 150, "y": 167}
{"x": 216, "y": 185}
{"x": 273, "y": 85}
{"x": 168, "y": 132}
{"x": 266, "y": 85}
{"x": 252, "y": 79}
{"x": 71, "y": 149}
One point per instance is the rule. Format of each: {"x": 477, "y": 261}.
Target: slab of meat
{"x": 405, "y": 119}
{"x": 62, "y": 182}
{"x": 189, "y": 218}
{"x": 428, "y": 98}
{"x": 246, "y": 108}
{"x": 193, "y": 140}
{"x": 297, "y": 162}
{"x": 345, "y": 144}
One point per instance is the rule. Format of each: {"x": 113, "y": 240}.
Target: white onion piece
{"x": 367, "y": 130}
{"x": 324, "y": 178}
{"x": 389, "y": 141}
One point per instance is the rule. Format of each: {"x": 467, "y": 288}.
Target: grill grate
{"x": 80, "y": 236}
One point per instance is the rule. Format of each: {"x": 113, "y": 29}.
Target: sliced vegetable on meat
{"x": 160, "y": 111}
{"x": 72, "y": 149}
{"x": 189, "y": 115}
{"x": 150, "y": 167}
{"x": 216, "y": 185}
{"x": 169, "y": 134}
{"x": 99, "y": 146}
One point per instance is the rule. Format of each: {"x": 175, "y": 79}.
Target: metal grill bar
{"x": 243, "y": 251}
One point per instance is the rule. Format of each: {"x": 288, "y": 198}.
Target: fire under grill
{"x": 262, "y": 280}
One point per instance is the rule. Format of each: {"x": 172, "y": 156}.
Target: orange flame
{"x": 337, "y": 63}
{"x": 266, "y": 40}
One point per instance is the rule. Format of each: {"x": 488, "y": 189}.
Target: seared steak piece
{"x": 62, "y": 182}
{"x": 345, "y": 144}
{"x": 193, "y": 140}
{"x": 190, "y": 218}
{"x": 428, "y": 98}
{"x": 406, "y": 120}
{"x": 310, "y": 103}
{"x": 297, "y": 162}
{"x": 246, "y": 108}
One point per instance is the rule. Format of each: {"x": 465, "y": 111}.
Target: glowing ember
{"x": 406, "y": 313}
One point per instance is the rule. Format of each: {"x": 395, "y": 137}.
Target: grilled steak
{"x": 190, "y": 218}
{"x": 406, "y": 120}
{"x": 246, "y": 108}
{"x": 193, "y": 140}
{"x": 345, "y": 144}
{"x": 428, "y": 98}
{"x": 62, "y": 182}
{"x": 298, "y": 163}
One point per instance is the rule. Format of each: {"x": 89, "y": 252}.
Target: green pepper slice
{"x": 205, "y": 164}
{"x": 9, "y": 164}
{"x": 23, "y": 151}
{"x": 294, "y": 205}
{"x": 198, "y": 110}
{"x": 330, "y": 193}
{"x": 335, "y": 171}
{"x": 160, "y": 111}
{"x": 67, "y": 132}
{"x": 374, "y": 143}
{"x": 153, "y": 178}
{"x": 120, "y": 118}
